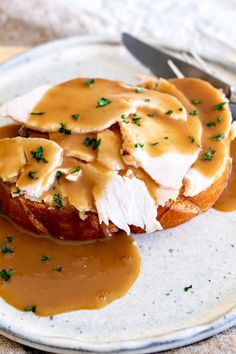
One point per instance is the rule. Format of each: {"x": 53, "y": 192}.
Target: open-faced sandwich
{"x": 93, "y": 156}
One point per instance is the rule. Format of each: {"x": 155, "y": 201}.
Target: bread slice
{"x": 66, "y": 223}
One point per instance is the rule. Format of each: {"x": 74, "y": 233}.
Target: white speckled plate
{"x": 157, "y": 313}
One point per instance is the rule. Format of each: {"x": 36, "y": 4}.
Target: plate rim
{"x": 182, "y": 337}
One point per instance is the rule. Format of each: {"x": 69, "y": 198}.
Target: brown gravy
{"x": 227, "y": 201}
{"x": 91, "y": 275}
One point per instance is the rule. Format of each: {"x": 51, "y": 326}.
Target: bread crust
{"x": 66, "y": 223}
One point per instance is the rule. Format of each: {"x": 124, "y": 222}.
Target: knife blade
{"x": 157, "y": 61}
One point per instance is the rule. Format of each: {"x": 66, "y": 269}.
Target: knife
{"x": 157, "y": 61}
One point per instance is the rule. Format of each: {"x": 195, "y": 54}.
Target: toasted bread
{"x": 66, "y": 223}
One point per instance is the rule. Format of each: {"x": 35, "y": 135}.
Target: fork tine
{"x": 175, "y": 69}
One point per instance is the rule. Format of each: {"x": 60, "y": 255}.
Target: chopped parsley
{"x": 187, "y": 288}
{"x": 153, "y": 144}
{"x": 180, "y": 109}
{"x": 220, "y": 106}
{"x": 64, "y": 130}
{"x": 17, "y": 191}
{"x": 38, "y": 155}
{"x": 151, "y": 115}
{"x": 5, "y": 249}
{"x": 93, "y": 143}
{"x": 58, "y": 268}
{"x": 77, "y": 169}
{"x": 191, "y": 138}
{"x": 6, "y": 274}
{"x": 139, "y": 145}
{"x": 9, "y": 238}
{"x": 195, "y": 102}
{"x": 166, "y": 137}
{"x": 58, "y": 176}
{"x": 136, "y": 120}
{"x": 31, "y": 174}
{"x": 139, "y": 90}
{"x": 89, "y": 82}
{"x": 30, "y": 308}
{"x": 193, "y": 113}
{"x": 103, "y": 102}
{"x": 75, "y": 116}
{"x": 123, "y": 117}
{"x": 218, "y": 137}
{"x": 58, "y": 201}
{"x": 147, "y": 100}
{"x": 168, "y": 113}
{"x": 208, "y": 156}
{"x": 219, "y": 119}
{"x": 37, "y": 113}
{"x": 44, "y": 258}
{"x": 210, "y": 124}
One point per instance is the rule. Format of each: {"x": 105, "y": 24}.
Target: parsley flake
{"x": 220, "y": 106}
{"x": 58, "y": 201}
{"x": 123, "y": 117}
{"x": 6, "y": 274}
{"x": 191, "y": 138}
{"x": 193, "y": 113}
{"x": 151, "y": 115}
{"x": 195, "y": 102}
{"x": 58, "y": 176}
{"x": 168, "y": 113}
{"x": 89, "y": 82}
{"x": 5, "y": 249}
{"x": 37, "y": 113}
{"x": 208, "y": 156}
{"x": 218, "y": 137}
{"x": 136, "y": 120}
{"x": 219, "y": 119}
{"x": 139, "y": 90}
{"x": 44, "y": 258}
{"x": 77, "y": 169}
{"x": 93, "y": 143}
{"x": 187, "y": 288}
{"x": 9, "y": 238}
{"x": 153, "y": 144}
{"x": 210, "y": 124}
{"x": 180, "y": 109}
{"x": 139, "y": 145}
{"x": 64, "y": 130}
{"x": 58, "y": 268}
{"x": 38, "y": 155}
{"x": 103, "y": 102}
{"x": 75, "y": 116}
{"x": 147, "y": 100}
{"x": 30, "y": 308}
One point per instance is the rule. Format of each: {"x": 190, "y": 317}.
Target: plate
{"x": 156, "y": 314}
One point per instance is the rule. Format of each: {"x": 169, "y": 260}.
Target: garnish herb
{"x": 220, "y": 106}
{"x": 30, "y": 308}
{"x": 168, "y": 113}
{"x": 75, "y": 116}
{"x": 219, "y": 119}
{"x": 218, "y": 137}
{"x": 93, "y": 143}
{"x": 58, "y": 201}
{"x": 89, "y": 82}
{"x": 38, "y": 155}
{"x": 37, "y": 113}
{"x": 139, "y": 90}
{"x": 180, "y": 109}
{"x": 58, "y": 268}
{"x": 31, "y": 175}
{"x": 147, "y": 100}
{"x": 153, "y": 144}
{"x": 17, "y": 191}
{"x": 210, "y": 124}
{"x": 77, "y": 169}
{"x": 188, "y": 287}
{"x": 5, "y": 249}
{"x": 166, "y": 137}
{"x": 139, "y": 145}
{"x": 191, "y": 138}
{"x": 208, "y": 156}
{"x": 64, "y": 130}
{"x": 6, "y": 274}
{"x": 123, "y": 117}
{"x": 193, "y": 113}
{"x": 151, "y": 115}
{"x": 195, "y": 102}
{"x": 136, "y": 120}
{"x": 103, "y": 102}
{"x": 58, "y": 176}
{"x": 44, "y": 258}
{"x": 9, "y": 238}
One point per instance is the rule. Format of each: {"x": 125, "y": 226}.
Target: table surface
{"x": 222, "y": 343}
